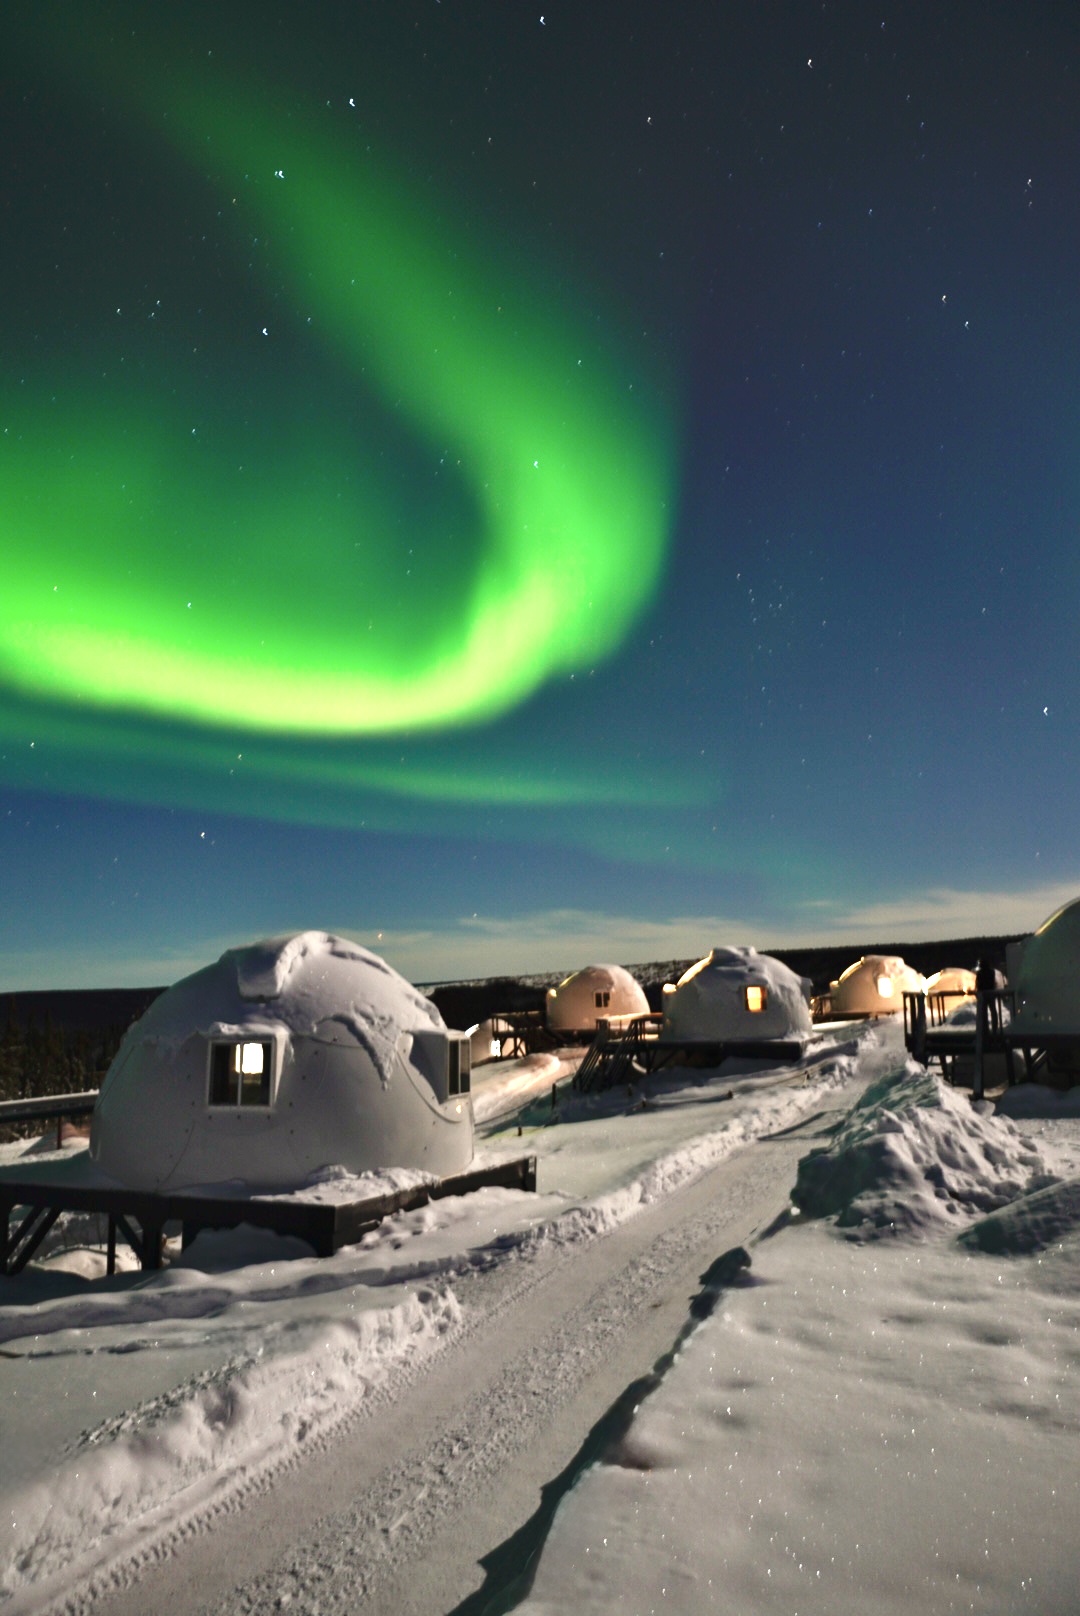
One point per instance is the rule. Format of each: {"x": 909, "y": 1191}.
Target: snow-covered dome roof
{"x": 952, "y": 979}
{"x": 1048, "y": 979}
{"x": 736, "y": 993}
{"x": 284, "y": 1057}
{"x": 594, "y": 994}
{"x": 875, "y": 986}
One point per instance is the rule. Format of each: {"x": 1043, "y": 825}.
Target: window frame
{"x": 458, "y": 1067}
{"x": 268, "y": 1043}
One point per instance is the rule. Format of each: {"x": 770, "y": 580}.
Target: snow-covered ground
{"x": 882, "y": 1411}
{"x": 879, "y": 1412}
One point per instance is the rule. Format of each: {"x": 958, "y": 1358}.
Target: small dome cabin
{"x": 736, "y": 994}
{"x": 950, "y": 988}
{"x": 496, "y": 1038}
{"x": 595, "y": 993}
{"x": 874, "y": 986}
{"x": 291, "y": 1055}
{"x": 1047, "y": 989}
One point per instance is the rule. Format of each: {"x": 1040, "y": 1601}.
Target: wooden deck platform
{"x": 619, "y": 1053}
{"x": 961, "y": 1049}
{"x": 140, "y": 1217}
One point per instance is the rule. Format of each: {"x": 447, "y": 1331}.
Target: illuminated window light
{"x": 249, "y": 1059}
{"x": 885, "y": 987}
{"x": 757, "y": 996}
{"x": 241, "y": 1073}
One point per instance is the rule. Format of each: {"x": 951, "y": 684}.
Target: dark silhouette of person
{"x": 986, "y": 981}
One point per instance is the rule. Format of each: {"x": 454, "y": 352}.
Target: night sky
{"x": 523, "y": 484}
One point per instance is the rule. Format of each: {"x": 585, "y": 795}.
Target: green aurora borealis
{"x": 461, "y": 494}
{"x": 466, "y": 460}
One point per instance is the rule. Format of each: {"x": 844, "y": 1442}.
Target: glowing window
{"x": 885, "y": 987}
{"x": 241, "y": 1073}
{"x": 757, "y": 997}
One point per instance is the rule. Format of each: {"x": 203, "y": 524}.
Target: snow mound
{"x": 215, "y": 1251}
{"x": 336, "y": 1186}
{"x": 231, "y": 1431}
{"x": 912, "y": 1156}
{"x": 1033, "y": 1223}
{"x": 1039, "y": 1100}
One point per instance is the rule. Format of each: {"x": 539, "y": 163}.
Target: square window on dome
{"x": 458, "y": 1066}
{"x": 757, "y": 997}
{"x": 241, "y": 1073}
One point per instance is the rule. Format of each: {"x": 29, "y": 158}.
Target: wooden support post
{"x": 22, "y": 1234}
{"x": 918, "y": 1027}
{"x": 110, "y": 1249}
{"x": 28, "y": 1237}
{"x": 135, "y": 1241}
{"x": 152, "y": 1232}
{"x": 982, "y": 1009}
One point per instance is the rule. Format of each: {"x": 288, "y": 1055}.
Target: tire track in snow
{"x": 396, "y": 1514}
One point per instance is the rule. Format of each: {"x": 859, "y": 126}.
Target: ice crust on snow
{"x": 913, "y": 1155}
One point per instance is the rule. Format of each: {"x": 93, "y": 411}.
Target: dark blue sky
{"x": 833, "y": 247}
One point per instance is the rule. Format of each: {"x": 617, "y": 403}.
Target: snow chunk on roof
{"x": 263, "y": 969}
{"x": 913, "y": 1155}
{"x": 291, "y": 986}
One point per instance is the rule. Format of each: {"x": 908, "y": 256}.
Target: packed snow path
{"x": 398, "y": 1514}
{"x": 884, "y": 1406}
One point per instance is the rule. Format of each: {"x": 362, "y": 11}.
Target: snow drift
{"x": 912, "y": 1155}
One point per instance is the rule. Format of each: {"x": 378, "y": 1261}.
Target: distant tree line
{"x": 41, "y": 1059}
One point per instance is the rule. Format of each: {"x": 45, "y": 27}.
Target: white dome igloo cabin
{"x": 291, "y": 1055}
{"x": 1047, "y": 979}
{"x": 736, "y": 994}
{"x": 874, "y": 986}
{"x": 595, "y": 993}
